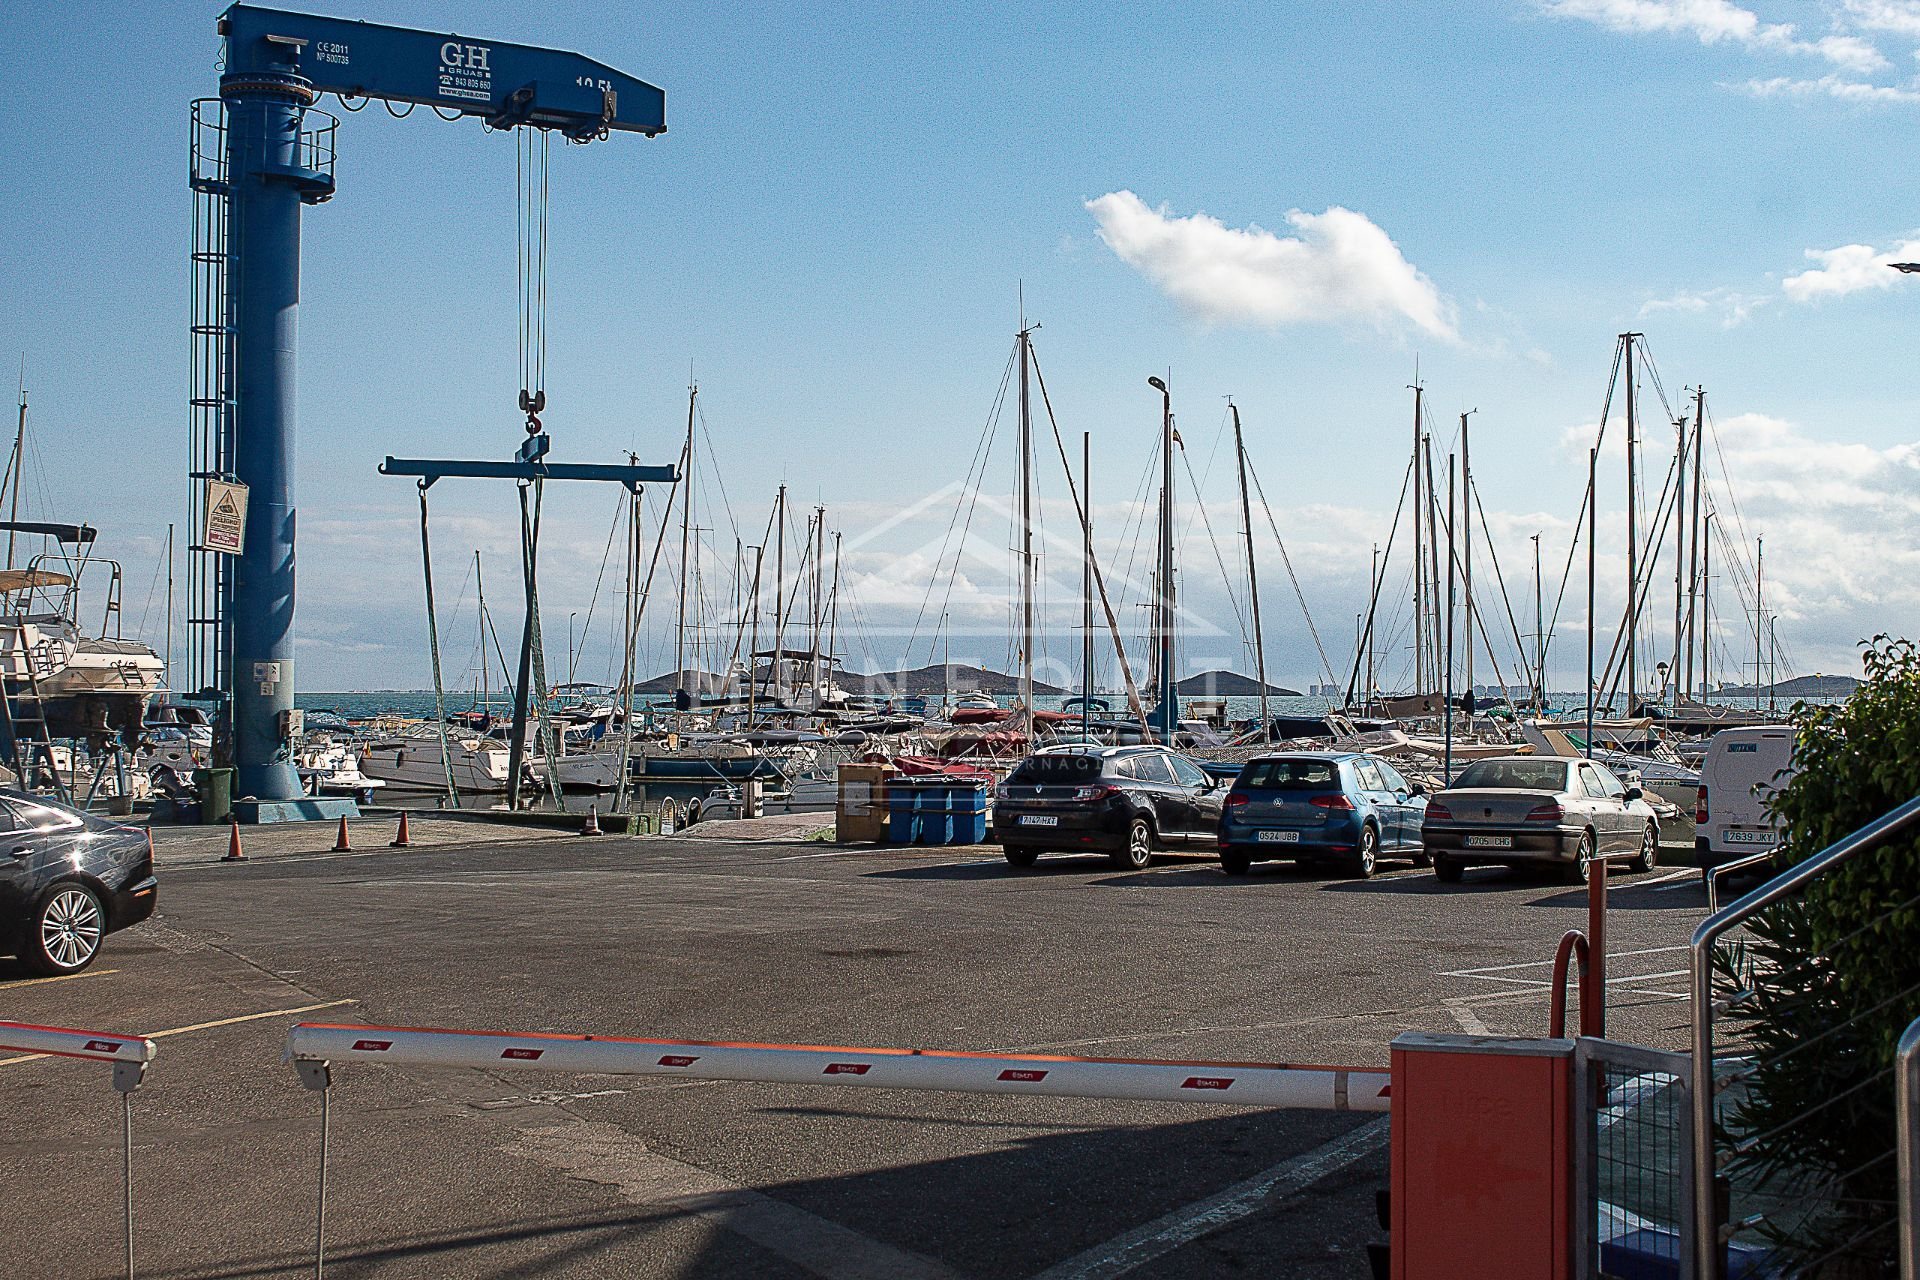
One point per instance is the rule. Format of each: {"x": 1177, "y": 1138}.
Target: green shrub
{"x": 1832, "y": 980}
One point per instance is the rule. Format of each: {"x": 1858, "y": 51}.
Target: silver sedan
{"x": 1517, "y": 809}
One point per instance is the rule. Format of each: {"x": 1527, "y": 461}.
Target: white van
{"x": 1742, "y": 769}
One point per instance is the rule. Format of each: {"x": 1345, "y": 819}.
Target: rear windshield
{"x": 1521, "y": 775}
{"x": 1043, "y": 771}
{"x": 1291, "y": 775}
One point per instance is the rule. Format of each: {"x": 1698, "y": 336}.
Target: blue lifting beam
{"x": 277, "y": 65}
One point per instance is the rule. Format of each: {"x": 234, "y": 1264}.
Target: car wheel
{"x": 1649, "y": 850}
{"x": 1582, "y": 865}
{"x": 1019, "y": 856}
{"x": 1234, "y": 862}
{"x": 1366, "y": 854}
{"x": 1447, "y": 870}
{"x": 1138, "y": 850}
{"x": 65, "y": 932}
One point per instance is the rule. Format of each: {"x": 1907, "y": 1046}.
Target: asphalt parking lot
{"x": 471, "y": 1173}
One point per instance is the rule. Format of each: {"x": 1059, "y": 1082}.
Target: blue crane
{"x": 277, "y": 66}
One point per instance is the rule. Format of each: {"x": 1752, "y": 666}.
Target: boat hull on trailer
{"x": 479, "y": 764}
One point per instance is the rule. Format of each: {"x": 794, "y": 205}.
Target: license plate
{"x": 1279, "y": 837}
{"x": 1039, "y": 820}
{"x": 1489, "y": 842}
{"x": 1750, "y": 837}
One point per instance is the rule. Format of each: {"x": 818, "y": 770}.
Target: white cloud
{"x": 1849, "y": 269}
{"x": 1714, "y": 22}
{"x": 1731, "y": 306}
{"x": 1338, "y": 266}
{"x": 1899, "y": 16}
{"x": 1827, "y": 86}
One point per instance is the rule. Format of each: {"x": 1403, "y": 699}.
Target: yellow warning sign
{"x": 226, "y": 530}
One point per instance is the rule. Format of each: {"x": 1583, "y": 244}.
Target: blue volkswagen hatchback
{"x": 1320, "y": 806}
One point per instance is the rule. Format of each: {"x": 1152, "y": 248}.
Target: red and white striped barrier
{"x": 1252, "y": 1084}
{"x": 65, "y": 1042}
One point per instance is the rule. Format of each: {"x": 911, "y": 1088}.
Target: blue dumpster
{"x": 967, "y": 813}
{"x": 903, "y": 812}
{"x": 936, "y": 815}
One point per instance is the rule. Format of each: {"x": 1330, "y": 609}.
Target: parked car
{"x": 67, "y": 880}
{"x": 1532, "y": 809}
{"x": 1320, "y": 806}
{"x": 1124, "y": 801}
{"x": 1742, "y": 769}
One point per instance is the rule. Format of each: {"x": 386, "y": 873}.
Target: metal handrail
{"x": 1906, "y": 1095}
{"x": 1728, "y": 868}
{"x": 1709, "y": 1245}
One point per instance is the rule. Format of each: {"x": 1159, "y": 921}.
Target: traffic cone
{"x": 341, "y": 844}
{"x": 234, "y": 852}
{"x": 401, "y": 841}
{"x": 591, "y": 827}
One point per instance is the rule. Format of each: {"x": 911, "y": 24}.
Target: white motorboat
{"x": 413, "y": 762}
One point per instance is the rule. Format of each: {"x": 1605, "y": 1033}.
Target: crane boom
{"x": 505, "y": 84}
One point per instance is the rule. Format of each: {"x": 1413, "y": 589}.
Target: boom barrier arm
{"x": 1320, "y": 1088}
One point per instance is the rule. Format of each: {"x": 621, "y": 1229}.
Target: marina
{"x": 1259, "y": 643}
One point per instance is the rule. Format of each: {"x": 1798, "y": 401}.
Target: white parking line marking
{"x": 1684, "y": 873}
{"x": 1183, "y": 1226}
{"x": 205, "y": 1026}
{"x": 65, "y": 977}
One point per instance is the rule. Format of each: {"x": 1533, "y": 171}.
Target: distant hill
{"x": 1798, "y": 687}
{"x": 930, "y": 680}
{"x": 1227, "y": 684}
{"x": 959, "y": 678}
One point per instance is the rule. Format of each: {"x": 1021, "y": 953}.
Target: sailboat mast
{"x": 1706, "y": 604}
{"x": 1432, "y": 514}
{"x": 1086, "y": 584}
{"x": 169, "y": 602}
{"x": 1759, "y": 611}
{"x": 833, "y": 603}
{"x": 480, "y": 623}
{"x": 1693, "y": 536}
{"x": 1676, "y": 671}
{"x": 1026, "y": 538}
{"x": 686, "y": 524}
{"x": 1253, "y": 577}
{"x": 1446, "y": 774}
{"x": 779, "y": 588}
{"x": 1593, "y": 530}
{"x": 1466, "y": 541}
{"x": 1168, "y": 711}
{"x": 13, "y": 466}
{"x": 1373, "y": 602}
{"x": 1633, "y": 532}
{"x": 1539, "y": 637}
{"x": 819, "y": 601}
{"x": 753, "y": 640}
{"x": 1419, "y": 561}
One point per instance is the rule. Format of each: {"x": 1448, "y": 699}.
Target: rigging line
{"x": 537, "y": 701}
{"x": 619, "y": 514}
{"x": 1373, "y": 602}
{"x": 968, "y": 500}
{"x": 1650, "y": 553}
{"x": 719, "y": 475}
{"x": 1580, "y": 520}
{"x": 1246, "y": 640}
{"x": 433, "y": 645}
{"x": 1520, "y": 647}
{"x": 1287, "y": 560}
{"x": 1099, "y": 579}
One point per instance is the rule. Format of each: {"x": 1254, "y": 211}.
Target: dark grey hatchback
{"x": 67, "y": 880}
{"x": 1124, "y": 801}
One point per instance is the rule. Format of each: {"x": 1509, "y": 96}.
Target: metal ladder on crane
{"x": 26, "y": 744}
{"x": 210, "y": 438}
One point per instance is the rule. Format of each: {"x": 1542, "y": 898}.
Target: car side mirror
{"x": 1416, "y": 789}
{"x": 1633, "y": 793}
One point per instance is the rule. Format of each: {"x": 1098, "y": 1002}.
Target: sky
{"x": 1301, "y": 206}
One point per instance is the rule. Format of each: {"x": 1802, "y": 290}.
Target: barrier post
{"x": 317, "y": 1075}
{"x": 129, "y": 1056}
